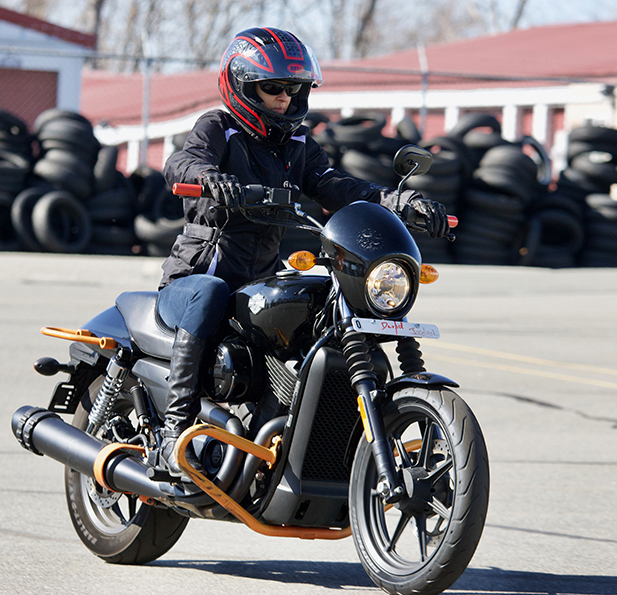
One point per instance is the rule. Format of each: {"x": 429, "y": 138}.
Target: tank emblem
{"x": 257, "y": 303}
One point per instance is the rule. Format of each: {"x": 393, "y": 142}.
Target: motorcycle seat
{"x": 147, "y": 329}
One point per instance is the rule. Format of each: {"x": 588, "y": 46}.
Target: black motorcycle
{"x": 305, "y": 429}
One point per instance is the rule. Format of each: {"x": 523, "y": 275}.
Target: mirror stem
{"x": 400, "y": 184}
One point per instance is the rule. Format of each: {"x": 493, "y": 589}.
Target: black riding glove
{"x": 433, "y": 214}
{"x": 225, "y": 189}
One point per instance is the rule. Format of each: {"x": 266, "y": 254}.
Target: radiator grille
{"x": 334, "y": 421}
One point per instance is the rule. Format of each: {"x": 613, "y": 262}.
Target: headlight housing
{"x": 388, "y": 288}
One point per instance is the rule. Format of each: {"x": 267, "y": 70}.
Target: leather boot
{"x": 182, "y": 403}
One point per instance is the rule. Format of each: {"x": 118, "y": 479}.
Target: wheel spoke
{"x": 118, "y": 512}
{"x": 422, "y": 537}
{"x": 437, "y": 474}
{"x": 425, "y": 450}
{"x": 132, "y": 506}
{"x": 439, "y": 508}
{"x": 400, "y": 527}
{"x": 400, "y": 446}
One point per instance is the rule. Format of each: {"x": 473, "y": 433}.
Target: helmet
{"x": 261, "y": 54}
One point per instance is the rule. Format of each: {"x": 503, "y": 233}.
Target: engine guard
{"x": 419, "y": 380}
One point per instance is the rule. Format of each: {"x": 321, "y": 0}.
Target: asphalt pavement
{"x": 535, "y": 353}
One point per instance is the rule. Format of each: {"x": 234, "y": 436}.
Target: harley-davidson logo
{"x": 257, "y": 303}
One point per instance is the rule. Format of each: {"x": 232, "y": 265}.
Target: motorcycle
{"x": 305, "y": 429}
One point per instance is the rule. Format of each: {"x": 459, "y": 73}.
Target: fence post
{"x": 145, "y": 118}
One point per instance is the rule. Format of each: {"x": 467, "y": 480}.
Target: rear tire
{"x": 425, "y": 542}
{"x": 118, "y": 528}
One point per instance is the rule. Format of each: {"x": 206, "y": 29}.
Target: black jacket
{"x": 244, "y": 250}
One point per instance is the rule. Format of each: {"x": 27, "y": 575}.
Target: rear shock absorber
{"x": 108, "y": 393}
{"x": 409, "y": 355}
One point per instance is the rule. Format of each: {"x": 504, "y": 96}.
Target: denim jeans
{"x": 195, "y": 303}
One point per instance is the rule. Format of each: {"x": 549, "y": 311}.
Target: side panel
{"x": 153, "y": 372}
{"x": 314, "y": 485}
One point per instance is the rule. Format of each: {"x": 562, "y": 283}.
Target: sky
{"x": 539, "y": 12}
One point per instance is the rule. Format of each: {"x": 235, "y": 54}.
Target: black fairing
{"x": 278, "y": 312}
{"x": 361, "y": 236}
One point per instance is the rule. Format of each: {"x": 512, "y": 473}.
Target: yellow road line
{"x": 520, "y": 358}
{"x": 529, "y": 372}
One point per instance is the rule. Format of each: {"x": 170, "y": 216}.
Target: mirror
{"x": 410, "y": 155}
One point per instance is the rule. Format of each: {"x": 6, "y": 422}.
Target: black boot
{"x": 182, "y": 403}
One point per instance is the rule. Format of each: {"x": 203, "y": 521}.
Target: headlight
{"x": 388, "y": 287}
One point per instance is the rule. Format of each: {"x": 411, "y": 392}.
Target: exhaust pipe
{"x": 44, "y": 433}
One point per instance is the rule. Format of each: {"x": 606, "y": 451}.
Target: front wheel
{"x": 118, "y": 528}
{"x": 423, "y": 543}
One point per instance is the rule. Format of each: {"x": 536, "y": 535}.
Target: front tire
{"x": 423, "y": 543}
{"x": 118, "y": 528}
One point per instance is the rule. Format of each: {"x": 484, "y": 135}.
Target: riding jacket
{"x": 227, "y": 244}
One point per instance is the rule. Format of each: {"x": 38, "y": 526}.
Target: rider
{"x": 265, "y": 78}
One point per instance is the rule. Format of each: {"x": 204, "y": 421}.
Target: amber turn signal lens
{"x": 428, "y": 274}
{"x": 302, "y": 261}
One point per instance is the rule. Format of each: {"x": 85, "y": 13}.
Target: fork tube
{"x": 364, "y": 381}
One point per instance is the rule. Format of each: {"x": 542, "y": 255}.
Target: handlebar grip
{"x": 187, "y": 189}
{"x": 452, "y": 221}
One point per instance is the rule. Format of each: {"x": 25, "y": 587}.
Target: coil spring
{"x": 108, "y": 394}
{"x": 409, "y": 355}
{"x": 356, "y": 352}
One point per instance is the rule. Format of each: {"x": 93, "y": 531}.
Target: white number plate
{"x": 391, "y": 327}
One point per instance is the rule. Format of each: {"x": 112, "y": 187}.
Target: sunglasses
{"x": 272, "y": 88}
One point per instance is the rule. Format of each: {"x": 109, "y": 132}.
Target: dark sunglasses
{"x": 271, "y": 88}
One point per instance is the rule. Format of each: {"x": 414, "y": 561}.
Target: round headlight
{"x": 388, "y": 287}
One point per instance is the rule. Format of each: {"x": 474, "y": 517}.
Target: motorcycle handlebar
{"x": 256, "y": 193}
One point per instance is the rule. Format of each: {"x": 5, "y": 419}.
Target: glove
{"x": 432, "y": 214}
{"x": 225, "y": 189}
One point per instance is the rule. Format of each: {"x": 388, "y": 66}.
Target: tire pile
{"x": 510, "y": 213}
{"x": 60, "y": 192}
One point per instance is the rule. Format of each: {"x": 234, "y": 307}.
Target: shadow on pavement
{"x": 346, "y": 575}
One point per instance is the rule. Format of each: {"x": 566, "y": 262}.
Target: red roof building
{"x": 40, "y": 65}
{"x": 541, "y": 82}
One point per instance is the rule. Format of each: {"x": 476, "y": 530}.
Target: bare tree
{"x": 364, "y": 29}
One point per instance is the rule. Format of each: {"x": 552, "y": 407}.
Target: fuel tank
{"x": 278, "y": 312}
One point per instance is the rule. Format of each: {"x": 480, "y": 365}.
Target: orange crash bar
{"x": 231, "y": 505}
{"x": 80, "y": 335}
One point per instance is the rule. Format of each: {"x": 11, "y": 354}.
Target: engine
{"x": 237, "y": 374}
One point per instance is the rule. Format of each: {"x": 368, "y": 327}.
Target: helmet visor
{"x": 250, "y": 63}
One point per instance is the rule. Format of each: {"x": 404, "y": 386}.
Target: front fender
{"x": 419, "y": 380}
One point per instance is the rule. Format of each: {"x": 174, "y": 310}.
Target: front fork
{"x": 364, "y": 381}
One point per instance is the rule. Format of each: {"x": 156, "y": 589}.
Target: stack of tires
{"x": 590, "y": 175}
{"x": 70, "y": 197}
{"x": 50, "y": 214}
{"x": 16, "y": 156}
{"x": 160, "y": 216}
{"x": 491, "y": 190}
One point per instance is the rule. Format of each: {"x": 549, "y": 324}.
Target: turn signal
{"x": 302, "y": 261}
{"x": 428, "y": 274}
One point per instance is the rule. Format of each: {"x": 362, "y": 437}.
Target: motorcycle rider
{"x": 265, "y": 78}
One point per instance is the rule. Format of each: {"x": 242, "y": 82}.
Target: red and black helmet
{"x": 261, "y": 54}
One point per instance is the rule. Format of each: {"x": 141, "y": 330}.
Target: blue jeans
{"x": 195, "y": 303}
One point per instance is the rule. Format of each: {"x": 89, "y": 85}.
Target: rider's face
{"x": 276, "y": 103}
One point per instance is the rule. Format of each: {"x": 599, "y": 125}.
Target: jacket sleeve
{"x": 203, "y": 151}
{"x": 333, "y": 189}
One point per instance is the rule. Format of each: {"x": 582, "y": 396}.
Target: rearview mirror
{"x": 409, "y": 157}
